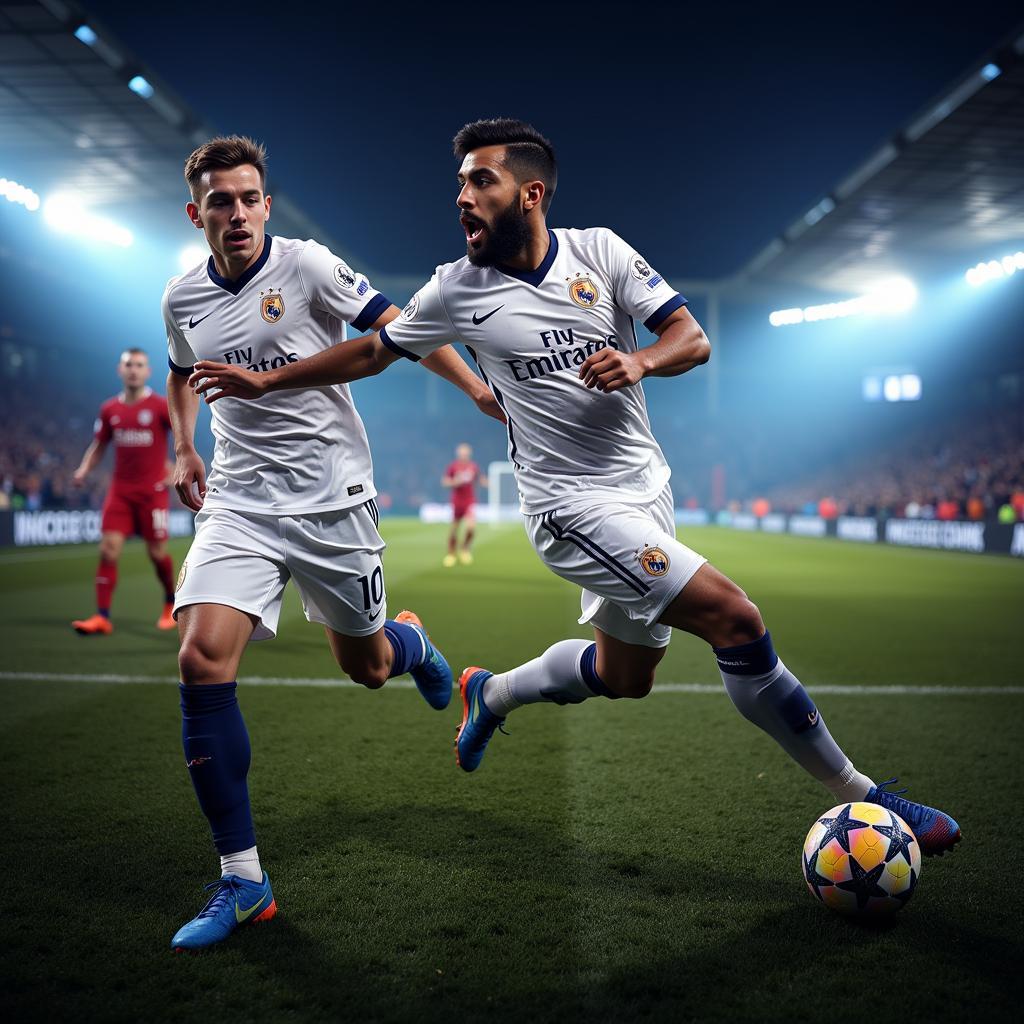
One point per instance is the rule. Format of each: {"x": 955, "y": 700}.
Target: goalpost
{"x": 502, "y": 493}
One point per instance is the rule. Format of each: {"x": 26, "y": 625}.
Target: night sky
{"x": 696, "y": 132}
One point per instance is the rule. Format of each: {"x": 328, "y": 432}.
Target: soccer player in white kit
{"x": 290, "y": 495}
{"x": 548, "y": 315}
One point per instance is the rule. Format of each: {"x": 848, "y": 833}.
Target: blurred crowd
{"x": 43, "y": 439}
{"x": 969, "y": 467}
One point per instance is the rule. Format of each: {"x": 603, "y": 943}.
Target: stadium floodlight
{"x": 894, "y": 295}
{"x": 994, "y": 270}
{"x": 190, "y": 256}
{"x": 63, "y": 213}
{"x": 141, "y": 87}
{"x": 20, "y": 194}
{"x": 991, "y": 71}
{"x": 86, "y": 35}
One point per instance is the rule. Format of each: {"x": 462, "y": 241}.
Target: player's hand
{"x": 78, "y": 477}
{"x": 214, "y": 381}
{"x": 610, "y": 370}
{"x": 190, "y": 480}
{"x": 488, "y": 405}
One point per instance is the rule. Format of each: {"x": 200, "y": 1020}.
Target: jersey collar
{"x": 236, "y": 286}
{"x": 536, "y": 277}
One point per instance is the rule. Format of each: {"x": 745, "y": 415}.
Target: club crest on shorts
{"x": 181, "y": 575}
{"x": 583, "y": 292}
{"x": 272, "y": 307}
{"x": 654, "y": 561}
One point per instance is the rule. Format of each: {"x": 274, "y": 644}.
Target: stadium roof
{"x": 75, "y": 116}
{"x": 948, "y": 188}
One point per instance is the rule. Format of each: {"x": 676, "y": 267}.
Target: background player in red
{"x": 462, "y": 476}
{"x": 138, "y": 501}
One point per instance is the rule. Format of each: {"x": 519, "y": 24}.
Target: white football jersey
{"x": 529, "y": 333}
{"x": 290, "y": 452}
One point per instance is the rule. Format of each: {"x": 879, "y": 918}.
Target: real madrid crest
{"x": 583, "y": 291}
{"x": 654, "y": 561}
{"x": 271, "y": 306}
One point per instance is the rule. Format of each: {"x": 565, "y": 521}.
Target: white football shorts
{"x": 244, "y": 560}
{"x": 625, "y": 558}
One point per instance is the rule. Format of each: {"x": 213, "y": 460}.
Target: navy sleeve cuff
{"x": 396, "y": 348}
{"x": 371, "y": 312}
{"x": 664, "y": 311}
{"x": 184, "y": 371}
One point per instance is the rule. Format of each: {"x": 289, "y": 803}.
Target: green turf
{"x": 614, "y": 861}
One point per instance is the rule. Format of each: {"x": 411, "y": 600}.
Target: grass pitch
{"x": 609, "y": 862}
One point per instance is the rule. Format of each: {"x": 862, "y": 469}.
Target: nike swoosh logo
{"x": 195, "y": 323}
{"x": 244, "y": 915}
{"x": 479, "y": 320}
{"x": 374, "y": 615}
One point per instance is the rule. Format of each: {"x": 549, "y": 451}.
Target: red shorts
{"x": 146, "y": 513}
{"x": 460, "y": 509}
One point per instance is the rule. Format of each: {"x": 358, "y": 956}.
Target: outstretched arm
{"x": 681, "y": 346}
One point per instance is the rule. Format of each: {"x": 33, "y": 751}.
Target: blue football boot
{"x": 433, "y": 678}
{"x": 235, "y": 901}
{"x": 935, "y": 831}
{"x": 478, "y": 721}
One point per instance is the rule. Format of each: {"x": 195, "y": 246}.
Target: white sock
{"x": 849, "y": 785}
{"x": 245, "y": 864}
{"x": 555, "y": 676}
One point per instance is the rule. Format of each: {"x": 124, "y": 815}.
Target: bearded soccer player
{"x": 462, "y": 476}
{"x": 548, "y": 315}
{"x": 136, "y": 422}
{"x": 290, "y": 496}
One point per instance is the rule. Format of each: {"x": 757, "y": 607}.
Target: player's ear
{"x": 192, "y": 211}
{"x": 533, "y": 193}
{"x": 267, "y": 200}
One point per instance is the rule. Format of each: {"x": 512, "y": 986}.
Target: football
{"x": 861, "y": 859}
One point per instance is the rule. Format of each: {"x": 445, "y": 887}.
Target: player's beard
{"x": 506, "y": 238}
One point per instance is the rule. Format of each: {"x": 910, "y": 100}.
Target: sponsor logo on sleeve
{"x": 411, "y": 308}
{"x": 272, "y": 306}
{"x": 363, "y": 287}
{"x": 655, "y": 281}
{"x": 583, "y": 291}
{"x": 639, "y": 267}
{"x": 343, "y": 275}
{"x": 355, "y": 489}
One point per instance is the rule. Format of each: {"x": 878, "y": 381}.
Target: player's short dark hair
{"x": 223, "y": 153}
{"x": 528, "y": 154}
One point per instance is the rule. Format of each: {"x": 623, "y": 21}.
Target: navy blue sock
{"x": 588, "y": 669}
{"x": 754, "y": 659}
{"x": 217, "y": 757}
{"x": 407, "y": 645}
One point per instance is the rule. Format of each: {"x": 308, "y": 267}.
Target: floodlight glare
{"x": 895, "y": 295}
{"x": 86, "y": 35}
{"x": 190, "y": 256}
{"x": 15, "y": 193}
{"x": 994, "y": 270}
{"x": 990, "y": 71}
{"x": 64, "y": 214}
{"x": 141, "y": 87}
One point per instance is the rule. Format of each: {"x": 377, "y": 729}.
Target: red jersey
{"x": 464, "y": 474}
{"x": 139, "y": 431}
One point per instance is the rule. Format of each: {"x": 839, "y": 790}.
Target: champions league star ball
{"x": 861, "y": 859}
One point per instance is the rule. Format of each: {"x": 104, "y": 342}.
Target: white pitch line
{"x": 870, "y": 690}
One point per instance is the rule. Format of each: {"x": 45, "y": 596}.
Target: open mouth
{"x": 238, "y": 238}
{"x": 474, "y": 229}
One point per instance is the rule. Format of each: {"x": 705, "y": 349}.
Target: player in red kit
{"x": 136, "y": 421}
{"x": 462, "y": 476}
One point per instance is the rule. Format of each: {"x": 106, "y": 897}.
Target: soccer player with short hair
{"x": 461, "y": 476}
{"x": 548, "y": 315}
{"x": 138, "y": 502}
{"x": 290, "y": 495}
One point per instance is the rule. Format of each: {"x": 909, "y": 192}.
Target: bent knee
{"x": 372, "y": 676}
{"x": 631, "y": 685}
{"x": 741, "y": 623}
{"x": 198, "y": 665}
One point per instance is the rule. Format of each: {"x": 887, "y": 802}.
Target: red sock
{"x": 165, "y": 574}
{"x": 106, "y": 581}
